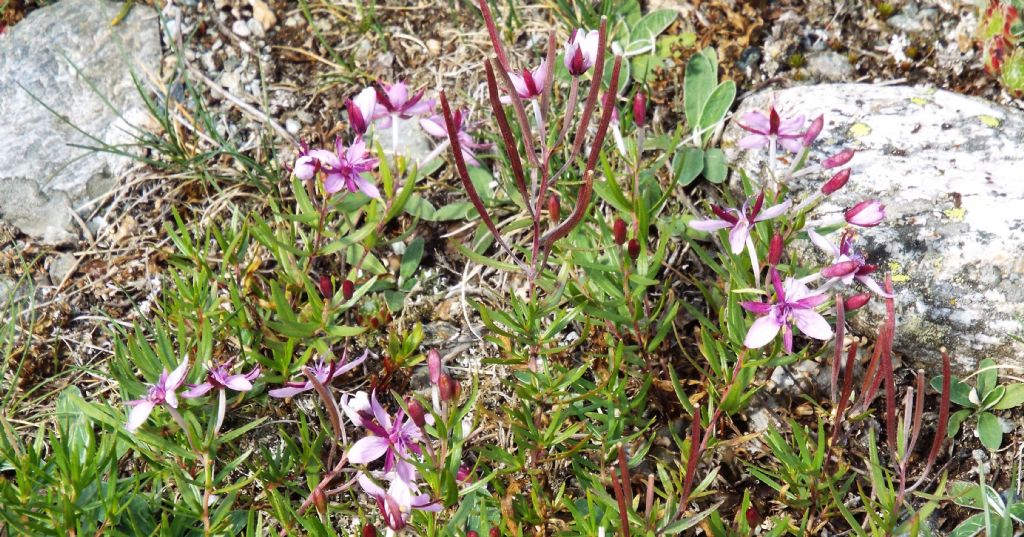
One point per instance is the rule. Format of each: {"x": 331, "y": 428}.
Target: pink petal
{"x": 139, "y": 415}
{"x": 773, "y": 211}
{"x": 350, "y": 365}
{"x": 754, "y": 306}
{"x": 434, "y": 126}
{"x": 198, "y": 390}
{"x": 738, "y": 236}
{"x": 793, "y": 145}
{"x": 177, "y": 377}
{"x": 334, "y": 182}
{"x": 753, "y": 141}
{"x": 870, "y": 283}
{"x": 762, "y": 332}
{"x": 792, "y": 126}
{"x": 378, "y": 412}
{"x": 239, "y": 383}
{"x": 822, "y": 243}
{"x": 709, "y": 225}
{"x": 756, "y": 120}
{"x": 368, "y": 449}
{"x": 366, "y": 187}
{"x": 812, "y": 324}
{"x": 290, "y": 391}
{"x": 369, "y": 486}
{"x": 366, "y": 101}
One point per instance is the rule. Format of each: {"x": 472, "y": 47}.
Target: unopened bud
{"x": 417, "y": 413}
{"x": 369, "y": 531}
{"x": 446, "y": 385}
{"x": 495, "y": 532}
{"x": 640, "y": 109}
{"x": 326, "y": 289}
{"x": 868, "y": 213}
{"x": 838, "y": 159}
{"x": 347, "y": 288}
{"x": 633, "y": 248}
{"x": 554, "y": 208}
{"x": 836, "y": 182}
{"x": 320, "y": 501}
{"x": 472, "y": 533}
{"x": 619, "y": 231}
{"x": 814, "y": 130}
{"x": 434, "y": 366}
{"x": 857, "y": 301}
{"x": 775, "y": 250}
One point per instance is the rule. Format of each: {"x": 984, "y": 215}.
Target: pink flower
{"x": 220, "y": 377}
{"x": 794, "y": 305}
{"x": 399, "y": 500}
{"x": 161, "y": 393}
{"x": 740, "y": 220}
{"x": 531, "y": 83}
{"x": 309, "y": 162}
{"x": 360, "y": 110}
{"x": 786, "y": 132}
{"x": 324, "y": 373}
{"x": 847, "y": 265}
{"x": 435, "y": 126}
{"x": 396, "y": 439}
{"x": 347, "y": 168}
{"x": 868, "y": 213}
{"x": 581, "y": 51}
{"x": 394, "y": 100}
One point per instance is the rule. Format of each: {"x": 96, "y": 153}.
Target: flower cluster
{"x": 790, "y": 304}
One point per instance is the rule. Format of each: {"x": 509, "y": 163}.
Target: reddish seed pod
{"x": 836, "y": 182}
{"x": 619, "y": 231}
{"x": 857, "y": 301}
{"x": 640, "y": 109}
{"x": 446, "y": 385}
{"x": 814, "y": 130}
{"x": 347, "y": 289}
{"x": 417, "y": 413}
{"x": 775, "y": 250}
{"x": 495, "y": 532}
{"x": 838, "y": 159}
{"x": 320, "y": 501}
{"x": 554, "y": 208}
{"x": 633, "y": 248}
{"x": 369, "y": 531}
{"x": 326, "y": 289}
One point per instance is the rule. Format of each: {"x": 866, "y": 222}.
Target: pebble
{"x": 434, "y": 47}
{"x": 292, "y": 125}
{"x": 255, "y": 27}
{"x": 829, "y": 66}
{"x": 240, "y": 28}
{"x": 262, "y": 13}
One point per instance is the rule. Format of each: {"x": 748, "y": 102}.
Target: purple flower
{"x": 220, "y": 377}
{"x": 436, "y": 127}
{"x": 794, "y": 304}
{"x": 581, "y": 51}
{"x": 531, "y": 83}
{"x": 740, "y": 220}
{"x": 398, "y": 501}
{"x": 847, "y": 264}
{"x": 394, "y": 100}
{"x": 161, "y": 393}
{"x": 763, "y": 129}
{"x": 347, "y": 168}
{"x": 395, "y": 439}
{"x": 360, "y": 110}
{"x": 868, "y": 213}
{"x": 311, "y": 161}
{"x": 324, "y": 373}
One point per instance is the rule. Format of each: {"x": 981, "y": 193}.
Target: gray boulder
{"x": 68, "y": 57}
{"x": 949, "y": 169}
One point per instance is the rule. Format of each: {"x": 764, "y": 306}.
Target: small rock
{"x": 240, "y": 28}
{"x": 434, "y": 47}
{"x": 829, "y": 65}
{"x": 292, "y": 125}
{"x": 406, "y": 138}
{"x": 262, "y": 13}
{"x": 60, "y": 266}
{"x": 255, "y": 27}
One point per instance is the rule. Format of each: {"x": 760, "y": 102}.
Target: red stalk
{"x": 511, "y": 147}
{"x": 492, "y": 31}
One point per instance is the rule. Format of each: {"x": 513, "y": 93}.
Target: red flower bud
{"x": 633, "y": 248}
{"x": 836, "y": 182}
{"x": 369, "y": 531}
{"x": 868, "y": 213}
{"x": 857, "y": 301}
{"x": 320, "y": 501}
{"x": 446, "y": 385}
{"x": 619, "y": 231}
{"x": 325, "y": 286}
{"x": 495, "y": 532}
{"x": 434, "y": 366}
{"x": 417, "y": 413}
{"x": 753, "y": 517}
{"x": 640, "y": 109}
{"x": 775, "y": 250}
{"x": 554, "y": 208}
{"x": 838, "y": 159}
{"x": 472, "y": 533}
{"x": 347, "y": 288}
{"x": 814, "y": 130}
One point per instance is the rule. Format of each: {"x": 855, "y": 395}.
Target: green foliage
{"x": 982, "y": 402}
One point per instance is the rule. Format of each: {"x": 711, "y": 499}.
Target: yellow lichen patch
{"x": 989, "y": 121}
{"x": 919, "y": 101}
{"x": 897, "y": 272}
{"x": 956, "y": 213}
{"x": 858, "y": 130}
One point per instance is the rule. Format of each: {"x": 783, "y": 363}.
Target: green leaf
{"x": 411, "y": 258}
{"x": 990, "y": 431}
{"x": 987, "y": 377}
{"x": 482, "y": 180}
{"x": 959, "y": 392}
{"x": 698, "y": 83}
{"x": 1012, "y": 398}
{"x": 716, "y": 107}
{"x": 970, "y": 527}
{"x": 715, "y": 169}
{"x": 687, "y": 164}
{"x": 653, "y": 24}
{"x": 624, "y": 73}
{"x": 459, "y": 210}
{"x": 993, "y": 397}
{"x": 955, "y": 420}
{"x": 417, "y": 206}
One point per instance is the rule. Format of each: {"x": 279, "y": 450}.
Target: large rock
{"x": 950, "y": 169}
{"x": 68, "y": 57}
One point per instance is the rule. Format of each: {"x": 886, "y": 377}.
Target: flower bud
{"x": 814, "y": 130}
{"x": 619, "y": 231}
{"x": 320, "y": 501}
{"x": 640, "y": 109}
{"x": 840, "y": 269}
{"x": 463, "y": 475}
{"x": 326, "y": 289}
{"x": 495, "y": 532}
{"x": 446, "y": 386}
{"x": 857, "y": 301}
{"x": 347, "y": 288}
{"x": 868, "y": 213}
{"x": 554, "y": 208}
{"x": 775, "y": 250}
{"x": 417, "y": 413}
{"x": 838, "y": 159}
{"x": 434, "y": 366}
{"x": 633, "y": 248}
{"x": 472, "y": 533}
{"x": 836, "y": 182}
{"x": 369, "y": 531}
